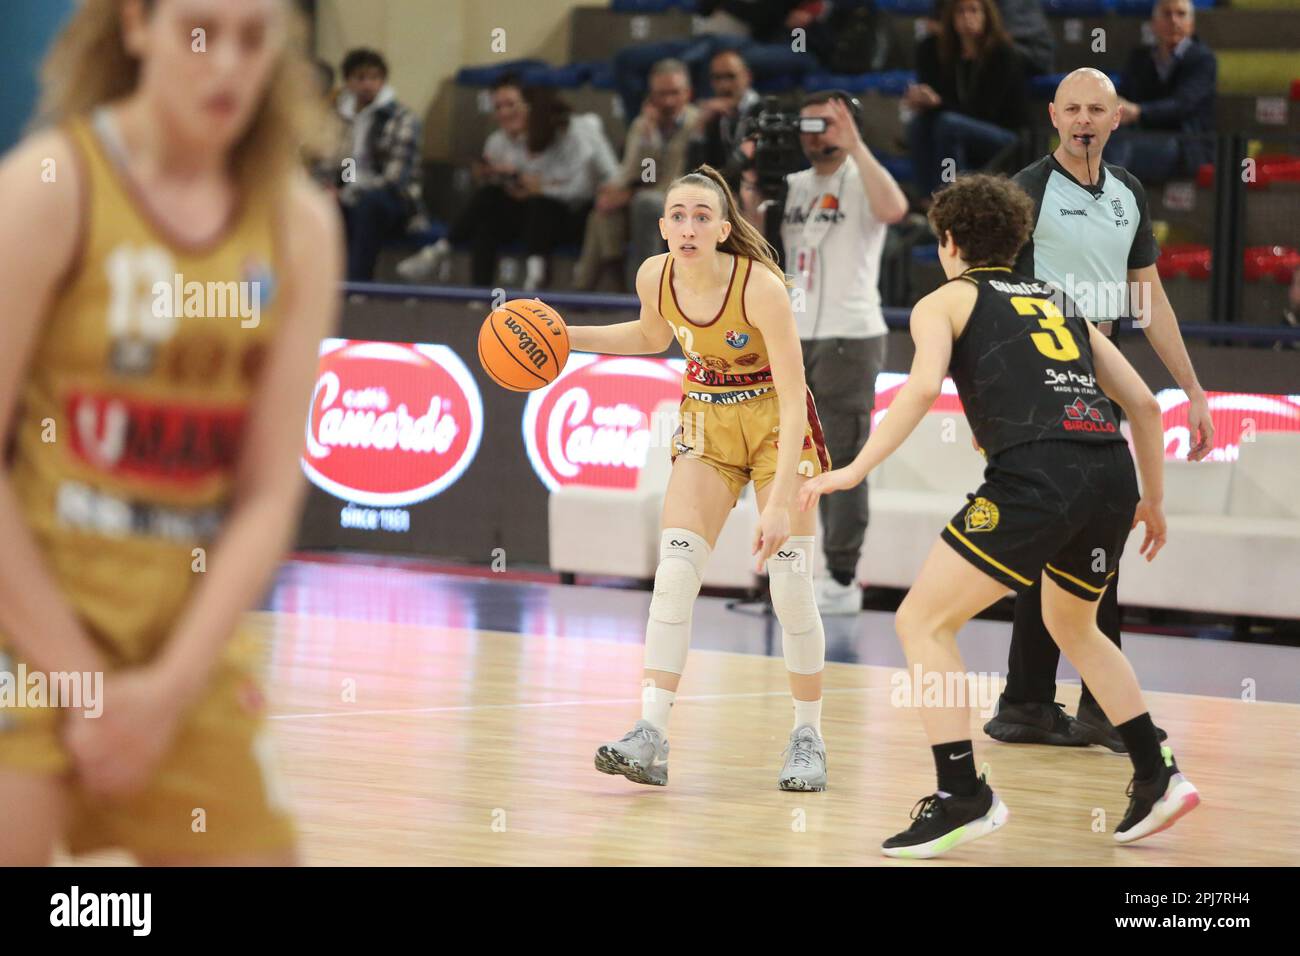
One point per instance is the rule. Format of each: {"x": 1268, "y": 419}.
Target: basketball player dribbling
{"x": 152, "y": 482}
{"x": 1058, "y": 501}
{"x": 720, "y": 293}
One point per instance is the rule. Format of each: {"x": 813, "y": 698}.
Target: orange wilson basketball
{"x": 523, "y": 345}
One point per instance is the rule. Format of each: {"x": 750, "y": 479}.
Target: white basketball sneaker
{"x": 834, "y": 598}
{"x": 641, "y": 755}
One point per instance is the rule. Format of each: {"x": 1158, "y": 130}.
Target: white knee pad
{"x": 790, "y": 580}
{"x": 682, "y": 556}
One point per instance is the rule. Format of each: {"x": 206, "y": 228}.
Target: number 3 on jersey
{"x": 1060, "y": 344}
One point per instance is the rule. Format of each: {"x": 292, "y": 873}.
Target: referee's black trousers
{"x": 1031, "y": 667}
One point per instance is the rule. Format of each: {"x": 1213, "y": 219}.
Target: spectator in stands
{"x": 970, "y": 95}
{"x": 1026, "y": 24}
{"x": 714, "y": 137}
{"x": 633, "y": 201}
{"x": 379, "y": 191}
{"x": 759, "y": 30}
{"x": 537, "y": 182}
{"x": 1167, "y": 99}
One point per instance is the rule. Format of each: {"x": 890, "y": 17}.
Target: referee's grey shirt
{"x": 1085, "y": 235}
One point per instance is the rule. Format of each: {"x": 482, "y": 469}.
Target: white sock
{"x": 656, "y": 704}
{"x": 809, "y": 713}
{"x": 442, "y": 245}
{"x": 534, "y": 272}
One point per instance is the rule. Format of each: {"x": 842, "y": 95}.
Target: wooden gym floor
{"x": 478, "y": 705}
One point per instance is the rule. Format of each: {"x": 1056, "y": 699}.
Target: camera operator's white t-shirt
{"x": 833, "y": 246}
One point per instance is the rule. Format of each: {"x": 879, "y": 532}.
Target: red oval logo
{"x": 390, "y": 423}
{"x": 595, "y": 424}
{"x": 1237, "y": 417}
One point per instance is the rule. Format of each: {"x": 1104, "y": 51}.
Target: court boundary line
{"x": 533, "y": 705}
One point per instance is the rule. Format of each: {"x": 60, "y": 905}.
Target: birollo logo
{"x": 390, "y": 424}
{"x": 596, "y": 423}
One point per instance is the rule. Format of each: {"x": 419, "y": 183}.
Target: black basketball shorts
{"x": 1064, "y": 508}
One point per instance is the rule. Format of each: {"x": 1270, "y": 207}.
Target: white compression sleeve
{"x": 790, "y": 579}
{"x": 682, "y": 556}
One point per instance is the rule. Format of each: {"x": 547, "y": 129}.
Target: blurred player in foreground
{"x": 166, "y": 276}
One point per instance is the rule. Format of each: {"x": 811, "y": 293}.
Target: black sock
{"x": 1087, "y": 700}
{"x": 842, "y": 578}
{"x": 955, "y": 765}
{"x": 1139, "y": 736}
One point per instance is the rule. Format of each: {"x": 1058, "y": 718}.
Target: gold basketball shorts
{"x": 736, "y": 434}
{"x": 216, "y": 792}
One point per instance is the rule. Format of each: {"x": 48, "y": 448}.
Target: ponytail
{"x": 744, "y": 239}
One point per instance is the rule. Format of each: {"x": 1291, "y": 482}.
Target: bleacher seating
{"x": 1259, "y": 96}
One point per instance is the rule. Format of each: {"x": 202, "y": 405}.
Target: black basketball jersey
{"x": 1023, "y": 366}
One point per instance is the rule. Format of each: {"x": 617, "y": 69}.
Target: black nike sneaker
{"x": 1156, "y": 804}
{"x": 942, "y": 821}
{"x": 1092, "y": 726}
{"x": 1033, "y": 723}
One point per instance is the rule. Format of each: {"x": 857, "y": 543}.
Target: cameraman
{"x": 833, "y": 229}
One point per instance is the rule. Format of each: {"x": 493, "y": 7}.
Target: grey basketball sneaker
{"x": 805, "y": 761}
{"x": 641, "y": 755}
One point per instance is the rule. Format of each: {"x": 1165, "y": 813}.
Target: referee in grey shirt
{"x": 1093, "y": 240}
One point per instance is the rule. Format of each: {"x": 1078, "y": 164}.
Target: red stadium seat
{"x": 1187, "y": 259}
{"x": 1276, "y": 262}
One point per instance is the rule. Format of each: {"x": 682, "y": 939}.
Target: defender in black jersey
{"x": 1024, "y": 372}
{"x": 1058, "y": 501}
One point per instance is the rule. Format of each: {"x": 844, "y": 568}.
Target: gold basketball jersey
{"x": 726, "y": 358}
{"x": 131, "y": 416}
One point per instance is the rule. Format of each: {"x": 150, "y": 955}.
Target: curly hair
{"x": 989, "y": 217}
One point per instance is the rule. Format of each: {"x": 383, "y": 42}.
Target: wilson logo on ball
{"x": 390, "y": 424}
{"x": 535, "y": 352}
{"x": 596, "y": 423}
{"x": 523, "y": 345}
